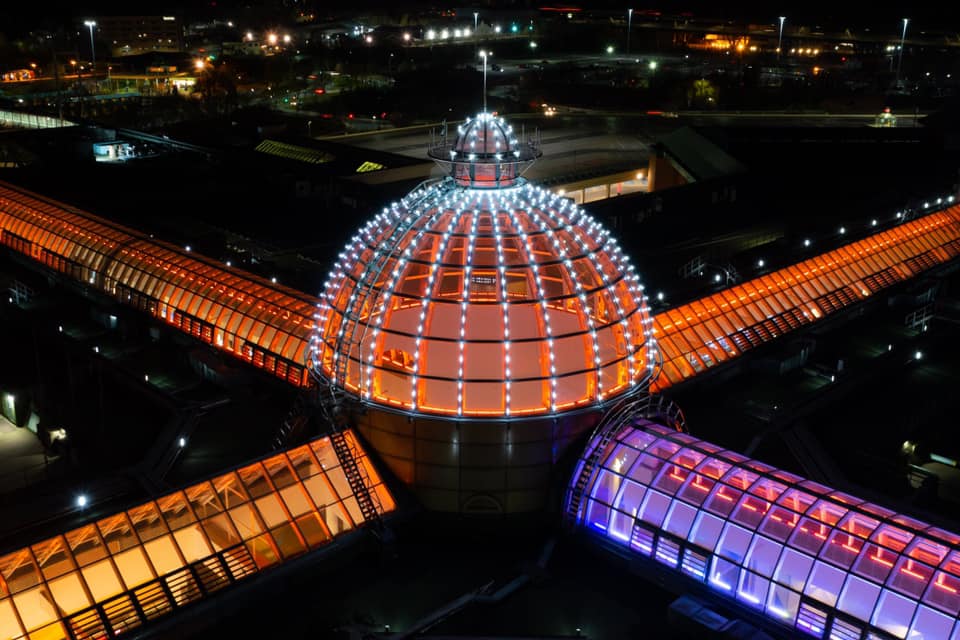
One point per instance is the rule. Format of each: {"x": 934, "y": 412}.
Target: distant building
{"x": 133, "y": 35}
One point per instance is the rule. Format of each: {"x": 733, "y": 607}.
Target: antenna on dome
{"x": 485, "y": 54}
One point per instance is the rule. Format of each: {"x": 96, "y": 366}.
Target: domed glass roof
{"x": 483, "y": 302}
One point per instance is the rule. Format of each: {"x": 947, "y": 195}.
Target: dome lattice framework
{"x": 495, "y": 302}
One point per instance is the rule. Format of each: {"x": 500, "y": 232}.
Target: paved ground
{"x": 22, "y": 455}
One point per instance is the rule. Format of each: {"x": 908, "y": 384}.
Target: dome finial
{"x": 486, "y": 153}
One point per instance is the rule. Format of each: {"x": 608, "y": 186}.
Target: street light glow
{"x": 609, "y": 48}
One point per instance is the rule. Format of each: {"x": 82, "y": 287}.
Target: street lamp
{"x": 629, "y": 24}
{"x": 780, "y": 37}
{"x": 93, "y": 55}
{"x": 903, "y": 35}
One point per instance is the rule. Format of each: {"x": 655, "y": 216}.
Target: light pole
{"x": 485, "y": 55}
{"x": 903, "y": 35}
{"x": 476, "y": 14}
{"x": 780, "y": 37}
{"x": 629, "y": 25}
{"x": 93, "y": 54}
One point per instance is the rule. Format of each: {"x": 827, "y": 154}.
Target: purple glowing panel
{"x": 821, "y": 562}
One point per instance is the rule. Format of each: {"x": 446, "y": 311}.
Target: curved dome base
{"x": 480, "y": 467}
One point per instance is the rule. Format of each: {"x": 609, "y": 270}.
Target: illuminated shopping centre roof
{"x": 471, "y": 298}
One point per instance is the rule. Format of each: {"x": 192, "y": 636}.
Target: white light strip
{"x": 426, "y": 308}
{"x": 561, "y": 251}
{"x": 594, "y": 230}
{"x": 357, "y": 250}
{"x": 504, "y": 302}
{"x": 534, "y": 267}
{"x": 467, "y": 262}
{"x": 383, "y": 302}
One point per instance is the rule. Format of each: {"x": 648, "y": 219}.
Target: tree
{"x": 702, "y": 94}
{"x": 216, "y": 87}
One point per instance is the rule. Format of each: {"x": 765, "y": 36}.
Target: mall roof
{"x": 120, "y": 572}
{"x": 804, "y": 556}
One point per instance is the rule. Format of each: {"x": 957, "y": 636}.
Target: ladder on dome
{"x": 357, "y": 478}
{"x": 610, "y": 426}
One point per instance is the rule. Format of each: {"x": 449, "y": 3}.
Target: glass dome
{"x": 486, "y": 152}
{"x": 483, "y": 302}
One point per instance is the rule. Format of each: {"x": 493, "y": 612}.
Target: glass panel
{"x": 697, "y": 488}
{"x": 825, "y": 583}
{"x": 220, "y": 532}
{"x": 654, "y": 508}
{"x": 85, "y": 544}
{"x": 911, "y": 577}
{"x": 763, "y": 556}
{"x": 204, "y": 500}
{"x": 52, "y": 557}
{"x": 929, "y": 624}
{"x": 281, "y": 474}
{"x": 35, "y": 607}
{"x": 164, "y": 555}
{"x": 263, "y": 552}
{"x": 752, "y": 589}
{"x": 175, "y": 510}
{"x": 230, "y": 490}
{"x": 9, "y": 626}
{"x": 734, "y": 542}
{"x": 858, "y": 597}
{"x": 325, "y": 453}
{"x": 723, "y": 500}
{"x": 288, "y": 540}
{"x": 303, "y": 461}
{"x": 193, "y": 544}
{"x": 246, "y": 520}
{"x": 783, "y": 603}
{"x": 271, "y": 511}
{"x": 296, "y": 500}
{"x": 679, "y": 519}
{"x": 842, "y": 548}
{"x": 724, "y": 574}
{"x": 706, "y": 530}
{"x": 780, "y": 523}
{"x": 102, "y": 580}
{"x": 875, "y": 562}
{"x": 893, "y": 613}
{"x": 793, "y": 569}
{"x": 69, "y": 594}
{"x": 133, "y": 567}
{"x": 254, "y": 478}
{"x": 311, "y": 526}
{"x": 147, "y": 521}
{"x": 944, "y": 593}
{"x": 118, "y": 533}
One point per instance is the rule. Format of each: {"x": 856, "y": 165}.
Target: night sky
{"x": 829, "y": 14}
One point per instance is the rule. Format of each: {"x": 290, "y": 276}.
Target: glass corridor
{"x": 126, "y": 569}
{"x": 821, "y": 562}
